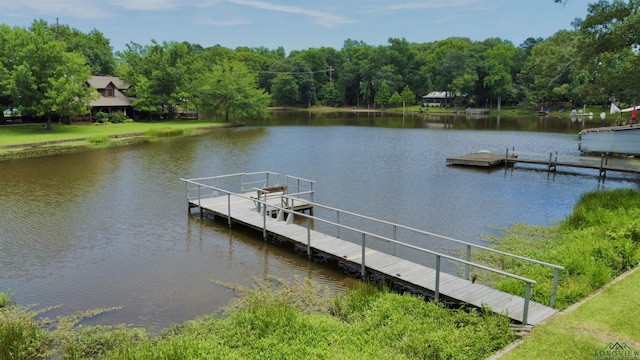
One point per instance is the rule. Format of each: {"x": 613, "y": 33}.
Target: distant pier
{"x": 550, "y": 161}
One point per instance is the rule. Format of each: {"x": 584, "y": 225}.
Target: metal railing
{"x": 287, "y": 207}
{"x": 469, "y": 246}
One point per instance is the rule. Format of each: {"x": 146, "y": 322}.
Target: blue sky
{"x": 297, "y": 25}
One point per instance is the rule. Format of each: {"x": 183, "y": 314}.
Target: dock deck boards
{"x": 244, "y": 211}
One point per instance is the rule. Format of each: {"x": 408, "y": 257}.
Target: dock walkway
{"x": 551, "y": 161}
{"x": 273, "y": 215}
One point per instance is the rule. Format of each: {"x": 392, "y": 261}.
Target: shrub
{"x": 99, "y": 139}
{"x": 6, "y": 298}
{"x": 165, "y": 132}
{"x": 101, "y": 117}
{"x": 118, "y": 117}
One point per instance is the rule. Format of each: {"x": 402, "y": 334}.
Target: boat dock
{"x": 284, "y": 211}
{"x": 550, "y": 161}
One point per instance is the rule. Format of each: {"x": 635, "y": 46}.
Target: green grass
{"x": 611, "y": 316}
{"x": 23, "y": 134}
{"x": 297, "y": 321}
{"x": 597, "y": 242}
{"x": 274, "y": 320}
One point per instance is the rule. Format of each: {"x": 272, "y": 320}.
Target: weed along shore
{"x": 301, "y": 319}
{"x": 22, "y": 141}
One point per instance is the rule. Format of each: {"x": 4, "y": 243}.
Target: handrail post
{"x": 264, "y": 220}
{"x": 229, "y": 209}
{"x": 395, "y": 237}
{"x": 437, "y": 289}
{"x": 241, "y": 182}
{"x": 338, "y": 222}
{"x": 290, "y": 216}
{"x": 199, "y": 205}
{"x": 466, "y": 266}
{"x": 525, "y": 311}
{"x": 309, "y": 237}
{"x": 363, "y": 267}
{"x": 311, "y": 195}
{"x": 554, "y": 287}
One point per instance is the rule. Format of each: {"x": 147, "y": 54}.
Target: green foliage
{"x": 383, "y": 95}
{"x": 598, "y": 241}
{"x": 284, "y": 90}
{"x": 118, "y": 117}
{"x": 39, "y": 76}
{"x": 99, "y": 139}
{"x": 165, "y": 132}
{"x": 408, "y": 97}
{"x": 230, "y": 89}
{"x": 274, "y": 319}
{"x": 25, "y": 334}
{"x": 330, "y": 96}
{"x": 395, "y": 99}
{"x": 6, "y": 298}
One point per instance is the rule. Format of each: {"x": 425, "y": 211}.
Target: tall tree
{"x": 497, "y": 64}
{"x": 45, "y": 79}
{"x": 229, "y": 88}
{"x": 159, "y": 74}
{"x": 284, "y": 90}
{"x": 383, "y": 94}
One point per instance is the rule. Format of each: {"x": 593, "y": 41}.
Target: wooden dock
{"x": 244, "y": 209}
{"x": 480, "y": 159}
{"x": 550, "y": 161}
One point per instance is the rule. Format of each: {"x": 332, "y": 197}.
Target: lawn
{"x": 24, "y": 134}
{"x": 598, "y": 325}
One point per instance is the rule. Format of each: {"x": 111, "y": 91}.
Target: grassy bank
{"x": 26, "y": 134}
{"x": 591, "y": 329}
{"x": 20, "y": 141}
{"x": 275, "y": 319}
{"x": 597, "y": 242}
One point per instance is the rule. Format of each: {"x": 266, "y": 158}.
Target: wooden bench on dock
{"x": 266, "y": 193}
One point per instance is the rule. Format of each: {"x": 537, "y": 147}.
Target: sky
{"x": 299, "y": 25}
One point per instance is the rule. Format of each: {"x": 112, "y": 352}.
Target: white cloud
{"x": 319, "y": 17}
{"x": 226, "y": 22}
{"x": 148, "y": 4}
{"x": 85, "y": 9}
{"x": 426, "y": 4}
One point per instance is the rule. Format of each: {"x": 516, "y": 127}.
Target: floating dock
{"x": 280, "y": 212}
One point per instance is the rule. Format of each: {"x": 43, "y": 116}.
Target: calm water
{"x": 110, "y": 228}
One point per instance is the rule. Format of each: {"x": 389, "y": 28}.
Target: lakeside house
{"x": 438, "y": 99}
{"x": 112, "y": 98}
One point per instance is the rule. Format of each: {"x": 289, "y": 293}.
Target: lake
{"x": 110, "y": 227}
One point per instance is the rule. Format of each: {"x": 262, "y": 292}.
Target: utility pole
{"x": 330, "y": 70}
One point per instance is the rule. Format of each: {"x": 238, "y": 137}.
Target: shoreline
{"x": 66, "y": 146}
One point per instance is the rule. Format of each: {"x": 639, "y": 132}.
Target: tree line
{"x": 43, "y": 70}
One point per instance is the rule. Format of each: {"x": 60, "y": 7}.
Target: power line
{"x": 291, "y": 72}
